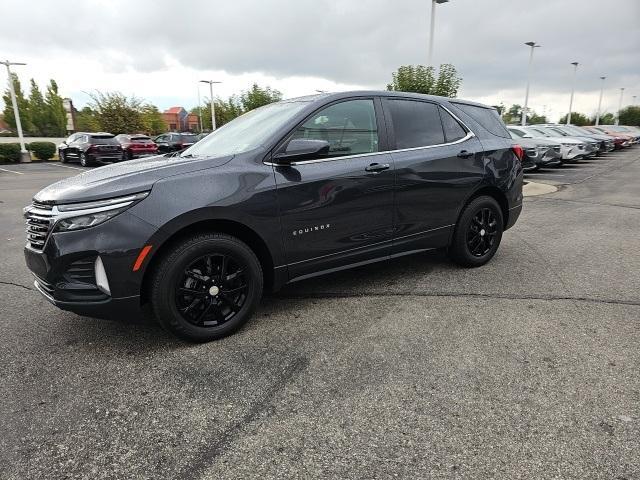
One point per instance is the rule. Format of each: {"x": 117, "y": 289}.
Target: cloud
{"x": 338, "y": 43}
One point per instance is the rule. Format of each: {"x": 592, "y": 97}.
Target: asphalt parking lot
{"x": 525, "y": 368}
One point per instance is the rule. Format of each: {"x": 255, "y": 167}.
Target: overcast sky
{"x": 158, "y": 50}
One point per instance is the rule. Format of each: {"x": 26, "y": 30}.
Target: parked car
{"x": 601, "y": 142}
{"x": 288, "y": 191}
{"x": 591, "y": 147}
{"x": 572, "y": 149}
{"x": 634, "y": 136}
{"x": 90, "y": 148}
{"x": 136, "y": 146}
{"x": 618, "y": 140}
{"x": 539, "y": 153}
{"x": 174, "y": 142}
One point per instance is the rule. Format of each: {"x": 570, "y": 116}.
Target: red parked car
{"x": 136, "y": 146}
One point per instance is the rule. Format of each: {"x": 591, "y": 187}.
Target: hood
{"x": 536, "y": 142}
{"x": 122, "y": 178}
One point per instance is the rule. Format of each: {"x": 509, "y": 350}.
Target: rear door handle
{"x": 377, "y": 167}
{"x": 465, "y": 154}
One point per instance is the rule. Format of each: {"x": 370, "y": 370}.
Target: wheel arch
{"x": 230, "y": 227}
{"x": 493, "y": 192}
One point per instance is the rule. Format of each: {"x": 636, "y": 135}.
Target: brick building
{"x": 179, "y": 120}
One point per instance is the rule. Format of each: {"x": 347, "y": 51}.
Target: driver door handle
{"x": 465, "y": 154}
{"x": 377, "y": 167}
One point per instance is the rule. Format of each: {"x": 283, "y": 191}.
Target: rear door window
{"x": 487, "y": 117}
{"x": 415, "y": 123}
{"x": 453, "y": 131}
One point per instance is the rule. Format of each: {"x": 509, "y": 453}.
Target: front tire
{"x": 61, "y": 156}
{"x": 206, "y": 287}
{"x": 478, "y": 233}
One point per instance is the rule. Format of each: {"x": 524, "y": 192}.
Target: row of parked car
{"x": 551, "y": 145}
{"x": 101, "y": 147}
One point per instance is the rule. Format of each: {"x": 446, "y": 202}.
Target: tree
{"x": 37, "y": 110}
{"x": 152, "y": 121}
{"x": 535, "y": 119}
{"x": 576, "y": 119}
{"x": 86, "y": 121}
{"x": 630, "y": 116}
{"x": 605, "y": 119}
{"x": 116, "y": 113}
{"x": 225, "y": 111}
{"x": 421, "y": 79}
{"x": 257, "y": 96}
{"x": 23, "y": 107}
{"x": 56, "y": 116}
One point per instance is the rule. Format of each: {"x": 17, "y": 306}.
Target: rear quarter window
{"x": 487, "y": 117}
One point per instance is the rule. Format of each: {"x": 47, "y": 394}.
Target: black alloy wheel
{"x": 205, "y": 286}
{"x": 478, "y": 232}
{"x": 482, "y": 232}
{"x": 61, "y": 156}
{"x": 212, "y": 290}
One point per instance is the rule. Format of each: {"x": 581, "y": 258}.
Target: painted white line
{"x": 11, "y": 171}
{"x": 546, "y": 174}
{"x": 67, "y": 166}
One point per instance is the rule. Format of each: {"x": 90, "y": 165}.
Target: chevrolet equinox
{"x": 288, "y": 191}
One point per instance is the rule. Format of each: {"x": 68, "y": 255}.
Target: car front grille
{"x": 40, "y": 219}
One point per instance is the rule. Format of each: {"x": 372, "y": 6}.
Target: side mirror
{"x": 302, "y": 149}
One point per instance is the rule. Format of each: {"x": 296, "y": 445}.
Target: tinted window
{"x": 349, "y": 127}
{"x": 487, "y": 117}
{"x": 415, "y": 124}
{"x": 188, "y": 138}
{"x": 453, "y": 131}
{"x": 103, "y": 139}
{"x": 517, "y": 132}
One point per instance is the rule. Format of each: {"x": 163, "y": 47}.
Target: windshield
{"x": 536, "y": 133}
{"x": 246, "y": 132}
{"x": 550, "y": 132}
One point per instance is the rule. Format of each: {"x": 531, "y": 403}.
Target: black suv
{"x": 174, "y": 142}
{"x": 90, "y": 148}
{"x": 285, "y": 192}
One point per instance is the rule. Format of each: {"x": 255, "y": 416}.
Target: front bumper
{"x": 64, "y": 267}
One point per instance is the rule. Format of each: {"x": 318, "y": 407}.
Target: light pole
{"x": 199, "y": 108}
{"x": 25, "y": 156}
{"x": 432, "y": 28}
{"x": 573, "y": 88}
{"x": 600, "y": 102}
{"x": 619, "y": 106}
{"x": 526, "y": 95}
{"x": 633, "y": 102}
{"x": 213, "y": 113}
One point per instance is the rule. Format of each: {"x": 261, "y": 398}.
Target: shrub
{"x": 42, "y": 150}
{"x": 10, "y": 152}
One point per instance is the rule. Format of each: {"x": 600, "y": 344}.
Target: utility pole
{"x": 619, "y": 106}
{"x": 213, "y": 113}
{"x": 25, "y": 156}
{"x": 600, "y": 101}
{"x": 573, "y": 88}
{"x": 526, "y": 95}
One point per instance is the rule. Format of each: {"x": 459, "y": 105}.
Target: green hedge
{"x": 10, "y": 152}
{"x": 42, "y": 150}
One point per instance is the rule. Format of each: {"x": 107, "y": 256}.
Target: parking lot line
{"x": 11, "y": 171}
{"x": 67, "y": 166}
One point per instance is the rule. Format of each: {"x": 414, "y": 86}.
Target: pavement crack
{"x": 500, "y": 296}
{"x": 205, "y": 457}
{"x": 15, "y": 285}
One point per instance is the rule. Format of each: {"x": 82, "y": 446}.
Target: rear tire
{"x": 478, "y": 233}
{"x": 206, "y": 287}
{"x": 84, "y": 160}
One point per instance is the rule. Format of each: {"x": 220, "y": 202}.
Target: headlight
{"x": 76, "y": 216}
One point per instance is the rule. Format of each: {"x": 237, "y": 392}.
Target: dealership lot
{"x": 410, "y": 368}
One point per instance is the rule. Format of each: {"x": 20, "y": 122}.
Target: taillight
{"x": 517, "y": 149}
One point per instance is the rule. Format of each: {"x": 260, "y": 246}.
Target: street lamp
{"x": 25, "y": 157}
{"x": 619, "y": 106}
{"x": 526, "y": 95}
{"x": 213, "y": 115}
{"x": 600, "y": 101}
{"x": 573, "y": 87}
{"x": 433, "y": 25}
{"x": 199, "y": 108}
